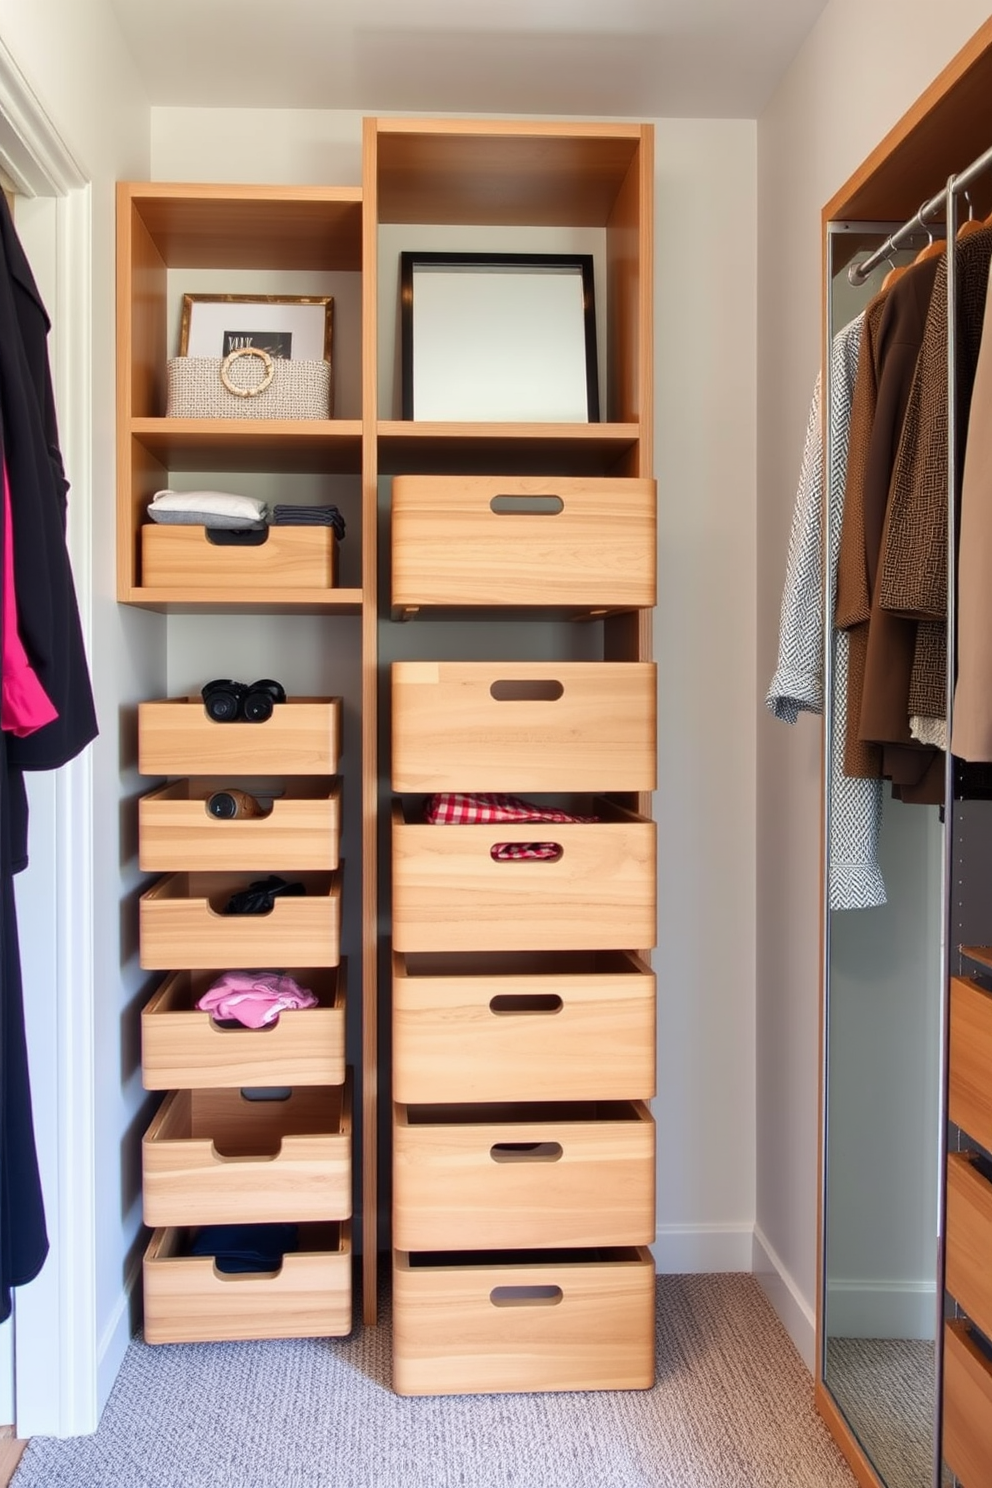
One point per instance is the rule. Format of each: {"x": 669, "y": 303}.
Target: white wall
{"x": 75, "y": 61}
{"x": 863, "y": 65}
{"x": 705, "y": 638}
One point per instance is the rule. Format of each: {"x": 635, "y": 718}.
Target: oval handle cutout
{"x": 526, "y": 852}
{"x": 505, "y": 1152}
{"x": 266, "y": 1092}
{"x": 525, "y": 1296}
{"x": 511, "y": 1003}
{"x": 526, "y": 690}
{"x": 526, "y": 506}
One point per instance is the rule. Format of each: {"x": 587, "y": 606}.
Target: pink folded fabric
{"x": 254, "y": 998}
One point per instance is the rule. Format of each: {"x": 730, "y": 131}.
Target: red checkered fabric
{"x": 456, "y": 809}
{"x": 514, "y": 852}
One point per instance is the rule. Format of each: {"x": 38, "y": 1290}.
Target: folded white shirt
{"x": 216, "y": 503}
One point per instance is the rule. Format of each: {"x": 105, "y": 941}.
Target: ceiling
{"x": 605, "y": 58}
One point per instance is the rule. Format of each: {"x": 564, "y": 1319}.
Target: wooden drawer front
{"x": 970, "y": 1091}
{"x": 451, "y": 548}
{"x": 187, "y": 1300}
{"x": 523, "y": 1028}
{"x": 181, "y": 924}
{"x": 969, "y": 1238}
{"x": 450, "y": 732}
{"x": 449, "y": 894}
{"x": 216, "y": 1157}
{"x": 502, "y": 1323}
{"x": 176, "y": 737}
{"x": 185, "y": 1049}
{"x": 181, "y": 557}
{"x": 477, "y": 1177}
{"x": 302, "y": 830}
{"x": 967, "y": 1420}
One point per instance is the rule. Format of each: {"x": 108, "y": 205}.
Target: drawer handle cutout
{"x": 537, "y": 852}
{"x": 508, "y": 1004}
{"x": 526, "y": 506}
{"x": 266, "y": 1092}
{"x": 526, "y": 690}
{"x": 516, "y": 1152}
{"x": 525, "y": 1296}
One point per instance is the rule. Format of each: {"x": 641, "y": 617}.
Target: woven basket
{"x": 248, "y": 384}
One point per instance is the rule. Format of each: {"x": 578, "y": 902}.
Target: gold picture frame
{"x": 287, "y": 327}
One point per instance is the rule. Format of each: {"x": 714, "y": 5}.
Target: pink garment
{"x": 25, "y": 706}
{"x": 254, "y": 998}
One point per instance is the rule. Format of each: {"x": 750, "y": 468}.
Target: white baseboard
{"x": 881, "y": 1309}
{"x": 114, "y": 1340}
{"x": 780, "y": 1287}
{"x": 684, "y": 1249}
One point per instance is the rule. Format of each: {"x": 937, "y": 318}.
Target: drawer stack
{"x": 256, "y": 1126}
{"x": 523, "y": 1011}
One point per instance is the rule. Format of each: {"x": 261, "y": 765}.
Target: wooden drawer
{"x": 550, "y": 541}
{"x": 301, "y": 829}
{"x": 217, "y": 1157}
{"x": 970, "y": 1092}
{"x": 479, "y": 1177}
{"x": 522, "y": 1027}
{"x": 450, "y": 894}
{"x": 181, "y": 924}
{"x": 524, "y": 726}
{"x": 191, "y": 557}
{"x": 967, "y": 1420}
{"x": 487, "y": 1323}
{"x": 969, "y": 1236}
{"x": 186, "y": 1049}
{"x": 176, "y": 737}
{"x": 187, "y": 1300}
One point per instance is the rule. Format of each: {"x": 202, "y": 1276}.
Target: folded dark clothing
{"x": 253, "y": 1247}
{"x": 284, "y": 515}
{"x": 258, "y": 896}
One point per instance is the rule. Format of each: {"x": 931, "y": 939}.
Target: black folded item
{"x": 258, "y": 896}
{"x": 252, "y": 1247}
{"x": 284, "y": 515}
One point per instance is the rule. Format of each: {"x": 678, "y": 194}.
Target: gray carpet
{"x": 732, "y": 1408}
{"x": 885, "y": 1387}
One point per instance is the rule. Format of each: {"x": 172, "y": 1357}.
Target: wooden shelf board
{"x": 274, "y": 445}
{"x": 274, "y": 602}
{"x": 981, "y": 954}
{"x": 200, "y": 226}
{"x": 490, "y": 613}
{"x": 406, "y": 446}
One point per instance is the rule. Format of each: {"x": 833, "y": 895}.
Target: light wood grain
{"x": 451, "y": 1044}
{"x": 485, "y": 1177}
{"x": 967, "y": 1407}
{"x": 302, "y": 830}
{"x": 451, "y": 733}
{"x": 969, "y": 1239}
{"x": 183, "y": 1047}
{"x": 187, "y": 1300}
{"x": 450, "y": 548}
{"x": 182, "y": 924}
{"x": 178, "y": 557}
{"x": 216, "y": 1157}
{"x": 970, "y": 1072}
{"x": 302, "y": 737}
{"x": 450, "y": 895}
{"x": 11, "y": 1452}
{"x": 275, "y": 446}
{"x": 450, "y": 1339}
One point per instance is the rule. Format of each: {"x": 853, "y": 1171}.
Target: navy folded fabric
{"x": 236, "y": 1248}
{"x": 284, "y": 515}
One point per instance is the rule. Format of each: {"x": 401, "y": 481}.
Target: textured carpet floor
{"x": 732, "y": 1408}
{"x": 885, "y": 1387}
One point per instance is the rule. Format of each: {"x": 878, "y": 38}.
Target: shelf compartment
{"x": 301, "y": 831}
{"x": 181, "y": 557}
{"x": 450, "y": 547}
{"x": 449, "y": 894}
{"x": 523, "y": 1027}
{"x": 503, "y": 1322}
{"x": 220, "y": 1157}
{"x": 407, "y": 446}
{"x": 485, "y": 1176}
{"x": 970, "y": 1099}
{"x": 181, "y": 924}
{"x": 187, "y": 1300}
{"x": 177, "y": 737}
{"x": 184, "y": 1048}
{"x": 524, "y": 726}
{"x": 273, "y": 446}
{"x": 969, "y": 1235}
{"x": 967, "y": 1416}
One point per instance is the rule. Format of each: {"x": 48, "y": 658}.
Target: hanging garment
{"x": 855, "y": 878}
